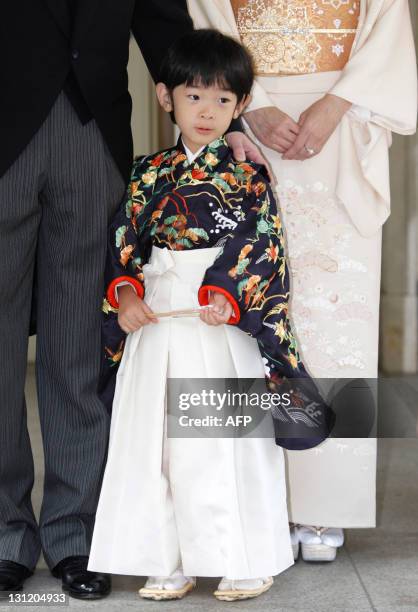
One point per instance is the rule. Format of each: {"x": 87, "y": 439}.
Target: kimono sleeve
{"x": 251, "y": 271}
{"x": 125, "y": 258}
{"x": 123, "y": 265}
{"x": 250, "y": 257}
{"x": 381, "y": 75}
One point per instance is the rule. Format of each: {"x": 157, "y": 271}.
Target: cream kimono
{"x": 333, "y": 207}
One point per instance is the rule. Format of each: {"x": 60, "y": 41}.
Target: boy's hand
{"x": 133, "y": 312}
{"x": 221, "y": 311}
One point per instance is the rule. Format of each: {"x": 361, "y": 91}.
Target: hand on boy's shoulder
{"x": 256, "y": 173}
{"x": 261, "y": 172}
{"x": 254, "y": 170}
{"x": 244, "y": 149}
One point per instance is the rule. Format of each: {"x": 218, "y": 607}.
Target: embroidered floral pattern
{"x": 333, "y": 304}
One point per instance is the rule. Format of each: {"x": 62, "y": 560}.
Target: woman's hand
{"x": 317, "y": 123}
{"x": 133, "y": 312}
{"x": 273, "y": 128}
{"x": 221, "y": 311}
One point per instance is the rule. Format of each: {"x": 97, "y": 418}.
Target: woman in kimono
{"x": 334, "y": 78}
{"x": 198, "y": 231}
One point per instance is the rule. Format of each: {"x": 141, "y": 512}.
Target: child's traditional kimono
{"x": 215, "y": 506}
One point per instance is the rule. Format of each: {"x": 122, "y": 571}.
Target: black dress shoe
{"x": 78, "y": 581}
{"x": 13, "y": 575}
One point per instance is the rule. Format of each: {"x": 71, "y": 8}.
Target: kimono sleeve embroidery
{"x": 124, "y": 255}
{"x": 252, "y": 269}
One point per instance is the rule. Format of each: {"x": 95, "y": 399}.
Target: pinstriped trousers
{"x": 55, "y": 204}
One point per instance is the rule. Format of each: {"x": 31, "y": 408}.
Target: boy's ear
{"x": 241, "y": 106}
{"x": 164, "y": 97}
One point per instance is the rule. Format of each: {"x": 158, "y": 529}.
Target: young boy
{"x": 197, "y": 229}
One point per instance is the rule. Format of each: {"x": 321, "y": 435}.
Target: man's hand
{"x": 317, "y": 123}
{"x": 133, "y": 312}
{"x": 273, "y": 128}
{"x": 243, "y": 148}
{"x": 221, "y": 311}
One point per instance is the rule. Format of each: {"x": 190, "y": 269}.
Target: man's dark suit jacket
{"x": 43, "y": 52}
{"x": 39, "y": 47}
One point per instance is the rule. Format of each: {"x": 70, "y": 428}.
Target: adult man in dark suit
{"x": 65, "y": 157}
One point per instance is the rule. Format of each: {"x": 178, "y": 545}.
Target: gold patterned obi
{"x": 297, "y": 36}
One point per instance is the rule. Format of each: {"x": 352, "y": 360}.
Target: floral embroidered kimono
{"x": 333, "y": 206}
{"x": 216, "y": 203}
{"x": 215, "y": 505}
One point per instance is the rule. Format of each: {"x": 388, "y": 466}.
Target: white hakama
{"x": 213, "y": 506}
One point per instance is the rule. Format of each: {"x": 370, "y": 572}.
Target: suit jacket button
{"x": 75, "y": 54}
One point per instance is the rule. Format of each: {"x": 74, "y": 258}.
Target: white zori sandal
{"x": 320, "y": 543}
{"x": 160, "y": 588}
{"x": 234, "y": 590}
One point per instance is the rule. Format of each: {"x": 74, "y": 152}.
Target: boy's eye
{"x": 193, "y": 97}
{"x": 224, "y": 100}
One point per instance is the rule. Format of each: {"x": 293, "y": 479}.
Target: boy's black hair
{"x": 205, "y": 58}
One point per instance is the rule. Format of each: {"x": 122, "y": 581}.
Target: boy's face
{"x": 202, "y": 113}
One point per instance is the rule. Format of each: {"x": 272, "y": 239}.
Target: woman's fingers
{"x": 288, "y": 141}
{"x": 304, "y": 154}
{"x": 294, "y": 151}
{"x": 243, "y": 148}
{"x": 288, "y": 132}
{"x": 270, "y": 125}
{"x": 293, "y": 127}
{"x": 253, "y": 154}
{"x": 238, "y": 151}
{"x": 299, "y": 149}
